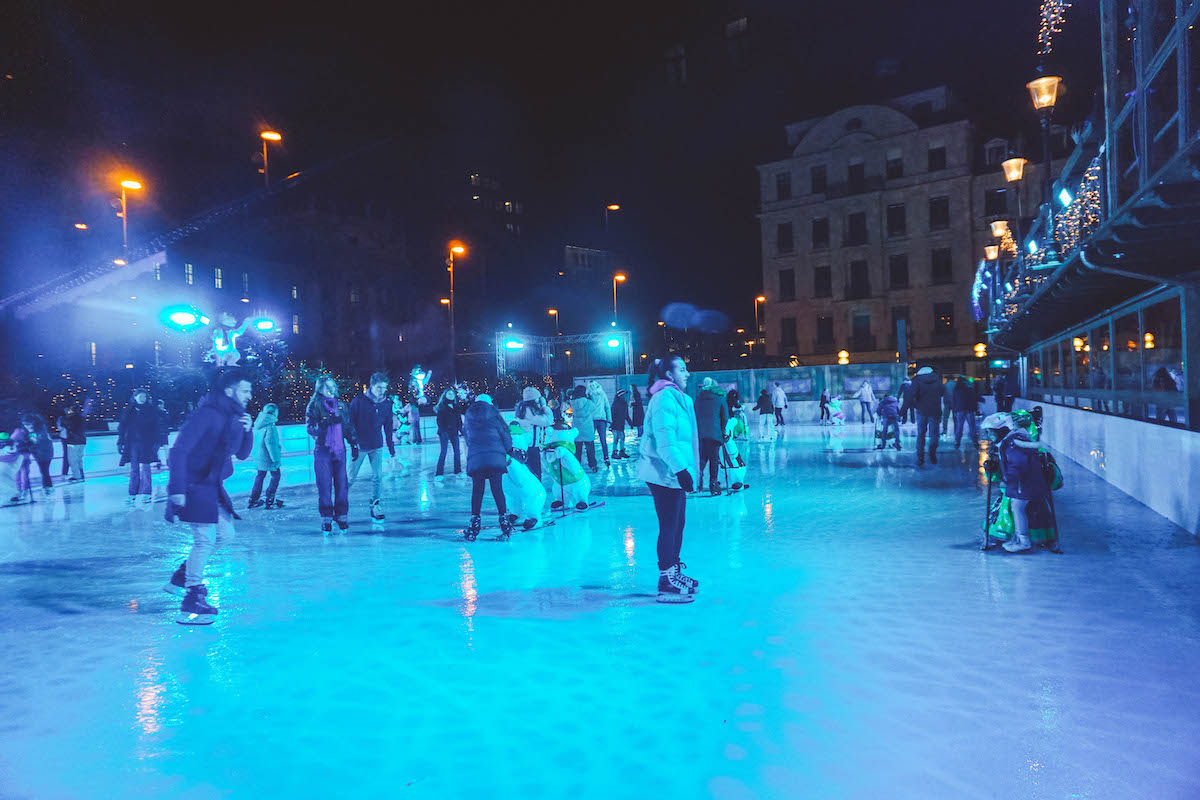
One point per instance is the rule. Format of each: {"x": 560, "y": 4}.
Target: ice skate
{"x": 506, "y": 526}
{"x": 48, "y": 491}
{"x": 692, "y": 584}
{"x": 473, "y": 528}
{"x": 933, "y": 456}
{"x": 377, "y": 511}
{"x": 439, "y": 478}
{"x": 672, "y": 591}
{"x": 273, "y": 503}
{"x": 327, "y": 526}
{"x": 255, "y": 503}
{"x": 130, "y": 502}
{"x": 176, "y": 585}
{"x": 715, "y": 489}
{"x": 1018, "y": 544}
{"x": 195, "y": 608}
{"x": 530, "y": 523}
{"x": 343, "y": 525}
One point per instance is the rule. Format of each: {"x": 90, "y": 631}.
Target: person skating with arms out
{"x": 200, "y": 461}
{"x": 328, "y": 422}
{"x": 669, "y": 462}
{"x": 371, "y": 417}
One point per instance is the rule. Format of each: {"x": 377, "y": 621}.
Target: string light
{"x": 1050, "y": 24}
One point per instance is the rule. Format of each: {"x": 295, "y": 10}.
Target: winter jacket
{"x": 779, "y": 397}
{"x": 372, "y": 422}
{"x": 37, "y": 444}
{"x": 268, "y": 456}
{"x": 927, "y": 393}
{"x": 711, "y": 414}
{"x": 865, "y": 393}
{"x": 532, "y": 413}
{"x": 323, "y": 424}
{"x": 764, "y": 406}
{"x": 670, "y": 444}
{"x": 595, "y": 392}
{"x": 488, "y": 439}
{"x": 202, "y": 458}
{"x": 586, "y": 411}
{"x": 964, "y": 398}
{"x": 948, "y": 396}
{"x": 73, "y": 427}
{"x": 138, "y": 434}
{"x": 889, "y": 409}
{"x": 906, "y": 393}
{"x": 620, "y": 411}
{"x": 449, "y": 417}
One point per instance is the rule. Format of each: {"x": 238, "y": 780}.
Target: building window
{"x": 295, "y": 323}
{"x": 942, "y": 270}
{"x": 295, "y": 292}
{"x": 818, "y": 178}
{"x": 856, "y": 228}
{"x": 939, "y": 213}
{"x": 860, "y": 282}
{"x": 676, "y": 59}
{"x": 897, "y": 221}
{"x": 158, "y": 272}
{"x": 736, "y": 41}
{"x": 824, "y": 330}
{"x": 860, "y": 333}
{"x": 783, "y": 238}
{"x": 943, "y": 319}
{"x": 787, "y": 332}
{"x": 354, "y": 294}
{"x": 895, "y": 164}
{"x": 995, "y": 202}
{"x": 820, "y": 233}
{"x": 822, "y": 282}
{"x": 856, "y": 176}
{"x": 245, "y": 284}
{"x": 218, "y": 282}
{"x": 787, "y": 284}
{"x": 513, "y": 228}
{"x": 187, "y": 274}
{"x": 993, "y": 154}
{"x": 901, "y": 313}
{"x": 92, "y": 347}
{"x": 783, "y": 186}
{"x": 898, "y": 271}
{"x": 937, "y": 158}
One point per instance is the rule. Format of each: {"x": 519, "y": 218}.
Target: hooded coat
{"x": 619, "y": 410}
{"x": 532, "y": 413}
{"x": 889, "y": 409}
{"x": 372, "y": 420}
{"x": 670, "y": 444}
{"x": 927, "y": 393}
{"x": 711, "y": 413}
{"x": 138, "y": 434}
{"x": 586, "y": 410}
{"x": 637, "y": 411}
{"x": 964, "y": 398}
{"x": 488, "y": 439}
{"x": 202, "y": 458}
{"x": 596, "y": 392}
{"x": 73, "y": 427}
{"x": 268, "y": 456}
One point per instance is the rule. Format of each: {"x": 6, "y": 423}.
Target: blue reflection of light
{"x": 1065, "y": 198}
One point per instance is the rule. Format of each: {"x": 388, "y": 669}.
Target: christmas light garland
{"x": 1050, "y": 24}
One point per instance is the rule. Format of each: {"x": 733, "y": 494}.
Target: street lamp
{"x": 456, "y": 248}
{"x": 1044, "y": 92}
{"x": 1014, "y": 171}
{"x": 268, "y": 136}
{"x": 620, "y": 276}
{"x": 554, "y": 313}
{"x": 82, "y": 226}
{"x": 124, "y": 212}
{"x": 991, "y": 251}
{"x": 757, "y": 327}
{"x": 608, "y": 208}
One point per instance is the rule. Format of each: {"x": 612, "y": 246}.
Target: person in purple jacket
{"x": 328, "y": 421}
{"x": 200, "y": 461}
{"x": 371, "y": 415}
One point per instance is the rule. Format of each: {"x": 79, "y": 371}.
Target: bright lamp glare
{"x": 1064, "y": 197}
{"x": 613, "y": 343}
{"x": 264, "y": 325}
{"x": 514, "y": 344}
{"x": 204, "y": 320}
{"x": 182, "y": 318}
{"x": 1032, "y": 248}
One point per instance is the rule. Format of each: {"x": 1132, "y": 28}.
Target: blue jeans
{"x": 333, "y": 490}
{"x": 601, "y": 429}
{"x": 926, "y": 424}
{"x": 961, "y": 417}
{"x": 618, "y": 440}
{"x": 890, "y": 428}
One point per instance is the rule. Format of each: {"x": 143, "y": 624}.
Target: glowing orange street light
{"x": 445, "y": 301}
{"x": 607, "y": 209}
{"x": 268, "y": 136}
{"x": 554, "y": 313}
{"x": 456, "y": 248}
{"x": 620, "y": 276}
{"x": 999, "y": 228}
{"x": 1044, "y": 91}
{"x": 757, "y": 327}
{"x": 81, "y": 226}
{"x": 120, "y": 262}
{"x": 1014, "y": 168}
{"x": 127, "y": 184}
{"x": 991, "y": 251}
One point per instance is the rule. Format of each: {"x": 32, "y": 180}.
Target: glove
{"x": 685, "y": 480}
{"x": 354, "y": 452}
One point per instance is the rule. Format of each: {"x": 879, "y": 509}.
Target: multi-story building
{"x": 880, "y": 215}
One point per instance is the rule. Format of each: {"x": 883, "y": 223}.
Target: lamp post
{"x": 757, "y": 327}
{"x": 608, "y": 208}
{"x": 1014, "y": 171}
{"x": 456, "y": 248}
{"x": 554, "y": 313}
{"x": 268, "y": 136}
{"x": 1044, "y": 92}
{"x": 991, "y": 252}
{"x": 124, "y": 213}
{"x": 619, "y": 277}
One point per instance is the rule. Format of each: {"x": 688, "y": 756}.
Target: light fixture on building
{"x": 999, "y": 228}
{"x": 1044, "y": 91}
{"x": 1014, "y": 168}
{"x": 991, "y": 251}
{"x": 843, "y": 357}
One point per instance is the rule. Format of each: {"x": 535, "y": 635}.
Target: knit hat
{"x": 483, "y": 398}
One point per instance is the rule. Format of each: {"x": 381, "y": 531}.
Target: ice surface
{"x": 849, "y": 641}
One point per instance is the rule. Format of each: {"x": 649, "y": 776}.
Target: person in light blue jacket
{"x": 669, "y": 464}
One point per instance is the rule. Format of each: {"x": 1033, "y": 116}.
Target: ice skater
{"x": 449, "y": 426}
{"x": 488, "y": 445}
{"x": 74, "y": 439}
{"x": 371, "y": 417}
{"x": 866, "y": 401}
{"x": 637, "y": 413}
{"x": 328, "y": 422}
{"x": 927, "y": 400}
{"x": 824, "y": 403}
{"x": 780, "y": 401}
{"x": 138, "y": 443}
{"x": 766, "y": 412}
{"x": 199, "y": 462}
{"x": 534, "y": 416}
{"x": 711, "y": 416}
{"x": 34, "y": 444}
{"x": 586, "y": 414}
{"x": 889, "y": 422}
{"x": 669, "y": 462}
{"x": 268, "y": 458}
{"x": 620, "y": 419}
{"x": 965, "y": 401}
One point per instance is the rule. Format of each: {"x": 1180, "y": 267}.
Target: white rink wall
{"x": 1154, "y": 464}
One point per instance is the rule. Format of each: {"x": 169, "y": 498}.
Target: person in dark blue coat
{"x": 488, "y": 444}
{"x": 449, "y": 426}
{"x": 965, "y": 403}
{"x": 371, "y": 416}
{"x": 138, "y": 441}
{"x": 200, "y": 461}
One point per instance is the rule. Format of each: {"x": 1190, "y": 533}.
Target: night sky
{"x": 566, "y": 100}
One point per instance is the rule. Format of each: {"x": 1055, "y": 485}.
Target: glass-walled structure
{"x": 1129, "y": 362}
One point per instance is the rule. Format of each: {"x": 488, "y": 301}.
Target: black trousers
{"x": 778, "y": 416}
{"x": 272, "y": 487}
{"x": 65, "y": 466}
{"x": 448, "y": 440}
{"x": 533, "y": 460}
{"x": 496, "y": 482}
{"x": 825, "y": 413}
{"x": 669, "y": 504}
{"x": 709, "y": 448}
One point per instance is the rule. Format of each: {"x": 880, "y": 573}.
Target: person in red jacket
{"x": 199, "y": 462}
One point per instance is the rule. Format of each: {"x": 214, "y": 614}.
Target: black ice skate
{"x": 692, "y": 584}
{"x": 327, "y": 526}
{"x": 672, "y": 591}
{"x": 343, "y": 525}
{"x": 473, "y": 529}
{"x": 377, "y": 511}
{"x": 506, "y": 527}
{"x": 195, "y": 608}
{"x": 176, "y": 585}
{"x": 255, "y": 503}
{"x": 273, "y": 503}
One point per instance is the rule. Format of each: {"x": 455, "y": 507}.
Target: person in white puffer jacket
{"x": 669, "y": 464}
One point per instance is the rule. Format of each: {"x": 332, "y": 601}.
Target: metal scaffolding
{"x": 545, "y": 346}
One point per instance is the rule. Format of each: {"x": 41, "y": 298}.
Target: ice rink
{"x": 849, "y": 641}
